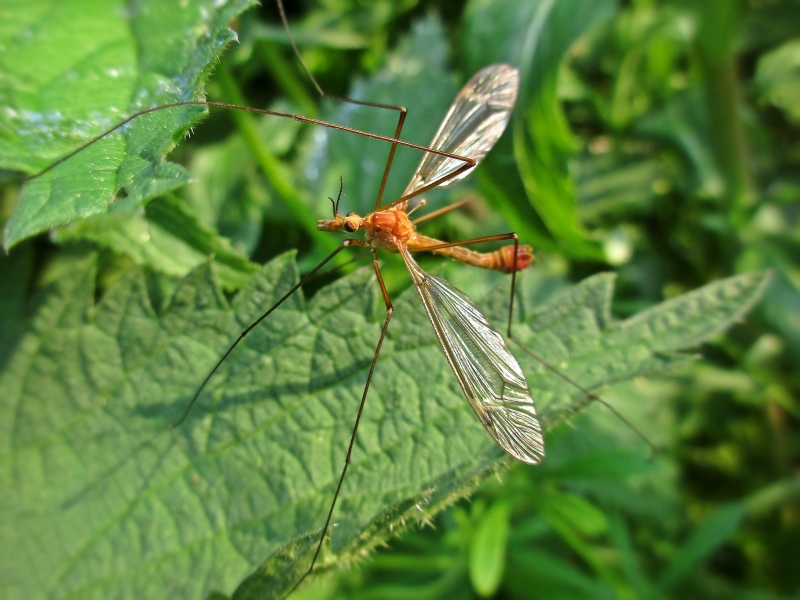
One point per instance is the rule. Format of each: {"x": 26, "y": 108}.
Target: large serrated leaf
{"x": 102, "y": 500}
{"x": 62, "y": 85}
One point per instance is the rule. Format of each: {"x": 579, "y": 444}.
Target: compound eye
{"x": 349, "y": 227}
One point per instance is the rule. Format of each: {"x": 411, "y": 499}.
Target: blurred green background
{"x": 660, "y": 140}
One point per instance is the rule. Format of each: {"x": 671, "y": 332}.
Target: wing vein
{"x": 487, "y": 372}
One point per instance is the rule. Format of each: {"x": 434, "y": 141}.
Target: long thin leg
{"x": 309, "y": 275}
{"x": 587, "y": 393}
{"x": 544, "y": 363}
{"x": 468, "y": 162}
{"x": 488, "y": 238}
{"x": 442, "y": 245}
{"x": 401, "y": 118}
{"x": 359, "y": 257}
{"x": 389, "y": 311}
{"x": 439, "y": 212}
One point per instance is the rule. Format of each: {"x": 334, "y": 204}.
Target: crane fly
{"x": 488, "y": 374}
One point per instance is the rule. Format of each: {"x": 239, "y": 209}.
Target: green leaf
{"x": 487, "y": 550}
{"x": 614, "y": 184}
{"x": 574, "y": 519}
{"x": 103, "y": 500}
{"x": 773, "y": 496}
{"x": 778, "y": 78}
{"x": 683, "y": 124}
{"x": 578, "y": 335}
{"x": 552, "y": 578}
{"x": 167, "y": 238}
{"x": 720, "y": 526}
{"x": 599, "y": 466}
{"x": 569, "y": 510}
{"x": 63, "y": 85}
{"x": 635, "y": 577}
{"x": 704, "y": 540}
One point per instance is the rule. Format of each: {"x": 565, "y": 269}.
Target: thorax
{"x": 386, "y": 229}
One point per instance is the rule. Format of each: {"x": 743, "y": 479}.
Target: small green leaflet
{"x": 62, "y": 85}
{"x": 103, "y": 500}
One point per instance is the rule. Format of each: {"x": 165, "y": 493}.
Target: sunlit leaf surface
{"x": 65, "y": 84}
{"x": 107, "y": 502}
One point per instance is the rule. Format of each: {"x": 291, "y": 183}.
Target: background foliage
{"x": 658, "y": 139}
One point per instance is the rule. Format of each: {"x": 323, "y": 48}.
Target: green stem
{"x": 719, "y": 22}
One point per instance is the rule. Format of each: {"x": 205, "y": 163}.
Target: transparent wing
{"x": 473, "y": 124}
{"x": 487, "y": 372}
